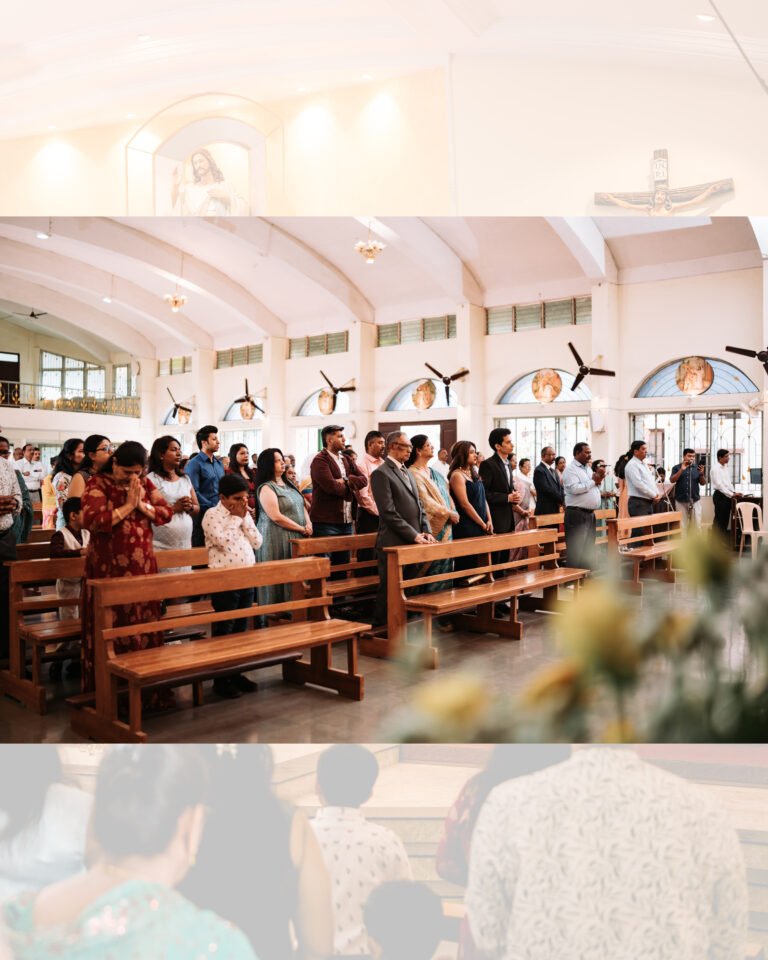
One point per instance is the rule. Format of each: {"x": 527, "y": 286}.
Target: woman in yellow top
{"x": 50, "y": 505}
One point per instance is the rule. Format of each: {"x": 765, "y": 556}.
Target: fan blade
{"x": 247, "y": 391}
{"x": 436, "y": 372}
{"x": 766, "y": 366}
{"x": 602, "y": 373}
{"x": 258, "y": 408}
{"x": 327, "y": 380}
{"x": 170, "y": 394}
{"x": 577, "y": 381}
{"x": 175, "y": 410}
{"x": 346, "y": 389}
{"x": 242, "y": 399}
{"x": 447, "y": 395}
{"x": 576, "y": 355}
{"x": 185, "y": 409}
{"x": 742, "y": 351}
{"x": 333, "y": 402}
{"x": 458, "y": 375}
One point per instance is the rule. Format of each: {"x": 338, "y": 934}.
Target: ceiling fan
{"x": 337, "y": 390}
{"x": 585, "y": 371}
{"x": 177, "y": 406}
{"x": 447, "y": 381}
{"x": 247, "y": 398}
{"x": 761, "y": 355}
{"x": 32, "y": 315}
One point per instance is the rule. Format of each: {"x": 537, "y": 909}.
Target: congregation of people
{"x": 118, "y": 507}
{"x": 192, "y": 852}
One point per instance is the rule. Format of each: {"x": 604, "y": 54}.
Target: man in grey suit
{"x": 401, "y": 518}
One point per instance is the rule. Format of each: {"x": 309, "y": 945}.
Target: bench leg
{"x": 430, "y": 654}
{"x": 134, "y": 708}
{"x": 319, "y": 671}
{"x": 197, "y": 693}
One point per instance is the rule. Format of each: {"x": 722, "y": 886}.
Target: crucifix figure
{"x": 663, "y": 200}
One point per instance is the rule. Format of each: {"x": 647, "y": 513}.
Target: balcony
{"x": 36, "y": 396}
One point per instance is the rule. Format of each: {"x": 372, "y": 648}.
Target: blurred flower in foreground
{"x": 705, "y": 561}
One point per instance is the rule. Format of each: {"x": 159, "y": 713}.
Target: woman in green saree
{"x": 146, "y": 827}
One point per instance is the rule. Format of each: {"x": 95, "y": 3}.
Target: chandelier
{"x": 369, "y": 249}
{"x": 176, "y": 300}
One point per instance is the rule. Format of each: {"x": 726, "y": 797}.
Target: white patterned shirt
{"x": 231, "y": 540}
{"x": 32, "y": 471}
{"x": 359, "y": 856}
{"x": 606, "y": 856}
{"x": 9, "y": 487}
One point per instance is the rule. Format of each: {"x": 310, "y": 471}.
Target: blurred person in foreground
{"x": 259, "y": 865}
{"x": 606, "y": 856}
{"x": 404, "y": 921}
{"x": 146, "y": 827}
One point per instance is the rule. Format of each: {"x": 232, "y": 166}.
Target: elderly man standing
{"x": 581, "y": 485}
{"x": 401, "y": 518}
{"x": 10, "y": 508}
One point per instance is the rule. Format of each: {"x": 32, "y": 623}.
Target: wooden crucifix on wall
{"x": 663, "y": 200}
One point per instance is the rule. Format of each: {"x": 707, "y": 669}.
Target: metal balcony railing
{"x": 37, "y": 396}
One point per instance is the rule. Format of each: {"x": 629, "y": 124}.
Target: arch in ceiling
{"x": 521, "y": 390}
{"x": 402, "y": 399}
{"x": 726, "y": 379}
{"x": 246, "y": 122}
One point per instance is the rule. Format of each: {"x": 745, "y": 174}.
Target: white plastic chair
{"x": 751, "y": 523}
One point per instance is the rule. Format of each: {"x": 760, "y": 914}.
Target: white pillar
{"x": 146, "y": 389}
{"x": 608, "y": 413}
{"x": 274, "y": 378}
{"x": 362, "y": 344}
{"x": 472, "y": 420}
{"x": 203, "y": 362}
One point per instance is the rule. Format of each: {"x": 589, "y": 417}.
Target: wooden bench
{"x": 549, "y": 520}
{"x": 360, "y": 576}
{"x": 40, "y": 535}
{"x": 168, "y": 666}
{"x": 33, "y": 551}
{"x": 536, "y": 571}
{"x": 660, "y": 537}
{"x": 42, "y": 633}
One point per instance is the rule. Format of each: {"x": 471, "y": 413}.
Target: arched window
{"x": 235, "y": 411}
{"x": 311, "y": 406}
{"x": 427, "y": 394}
{"x": 693, "y": 376}
{"x": 522, "y": 389}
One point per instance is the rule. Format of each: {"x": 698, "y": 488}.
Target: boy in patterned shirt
{"x": 358, "y": 854}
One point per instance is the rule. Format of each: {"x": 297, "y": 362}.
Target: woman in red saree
{"x": 119, "y": 506}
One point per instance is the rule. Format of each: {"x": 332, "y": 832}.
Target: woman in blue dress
{"x": 147, "y": 822}
{"x": 468, "y": 494}
{"x": 283, "y": 517}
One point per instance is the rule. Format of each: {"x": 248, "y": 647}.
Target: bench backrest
{"x": 554, "y": 521}
{"x": 540, "y": 547}
{"x": 307, "y": 575}
{"x": 656, "y": 528}
{"x": 353, "y": 544}
{"x": 35, "y": 572}
{"x": 40, "y": 535}
{"x": 33, "y": 551}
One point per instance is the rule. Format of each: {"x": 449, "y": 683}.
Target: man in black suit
{"x": 550, "y": 497}
{"x": 496, "y": 474}
{"x": 401, "y": 518}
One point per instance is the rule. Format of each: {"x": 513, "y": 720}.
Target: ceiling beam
{"x": 587, "y": 246}
{"x": 162, "y": 259}
{"x": 84, "y": 282}
{"x": 452, "y": 21}
{"x": 424, "y": 248}
{"x": 61, "y": 308}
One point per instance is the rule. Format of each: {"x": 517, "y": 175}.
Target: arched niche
{"x": 244, "y": 140}
{"x": 726, "y": 379}
{"x": 521, "y": 390}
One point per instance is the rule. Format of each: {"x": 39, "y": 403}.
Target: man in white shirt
{"x": 606, "y": 856}
{"x": 441, "y": 462}
{"x": 642, "y": 488}
{"x": 31, "y": 470}
{"x": 723, "y": 493}
{"x": 581, "y": 486}
{"x": 359, "y": 855}
{"x": 231, "y": 537}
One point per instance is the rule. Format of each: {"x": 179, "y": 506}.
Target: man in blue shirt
{"x": 687, "y": 478}
{"x": 204, "y": 471}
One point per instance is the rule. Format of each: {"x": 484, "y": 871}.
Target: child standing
{"x": 231, "y": 537}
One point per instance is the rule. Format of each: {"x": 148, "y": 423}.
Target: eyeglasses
{"x": 5, "y": 453}
{"x": 102, "y": 449}
{"x": 407, "y": 446}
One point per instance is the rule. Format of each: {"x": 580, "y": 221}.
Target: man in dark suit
{"x": 550, "y": 497}
{"x": 496, "y": 474}
{"x": 401, "y": 518}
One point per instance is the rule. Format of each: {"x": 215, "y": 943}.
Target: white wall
{"x": 536, "y": 136}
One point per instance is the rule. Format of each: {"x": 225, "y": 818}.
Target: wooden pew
{"x": 194, "y": 662}
{"x": 33, "y": 551}
{"x": 537, "y": 571}
{"x": 42, "y": 633}
{"x": 360, "y": 576}
{"x": 555, "y": 520}
{"x": 39, "y": 535}
{"x": 661, "y": 537}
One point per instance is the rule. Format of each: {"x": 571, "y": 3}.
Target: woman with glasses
{"x": 68, "y": 463}
{"x": 96, "y": 451}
